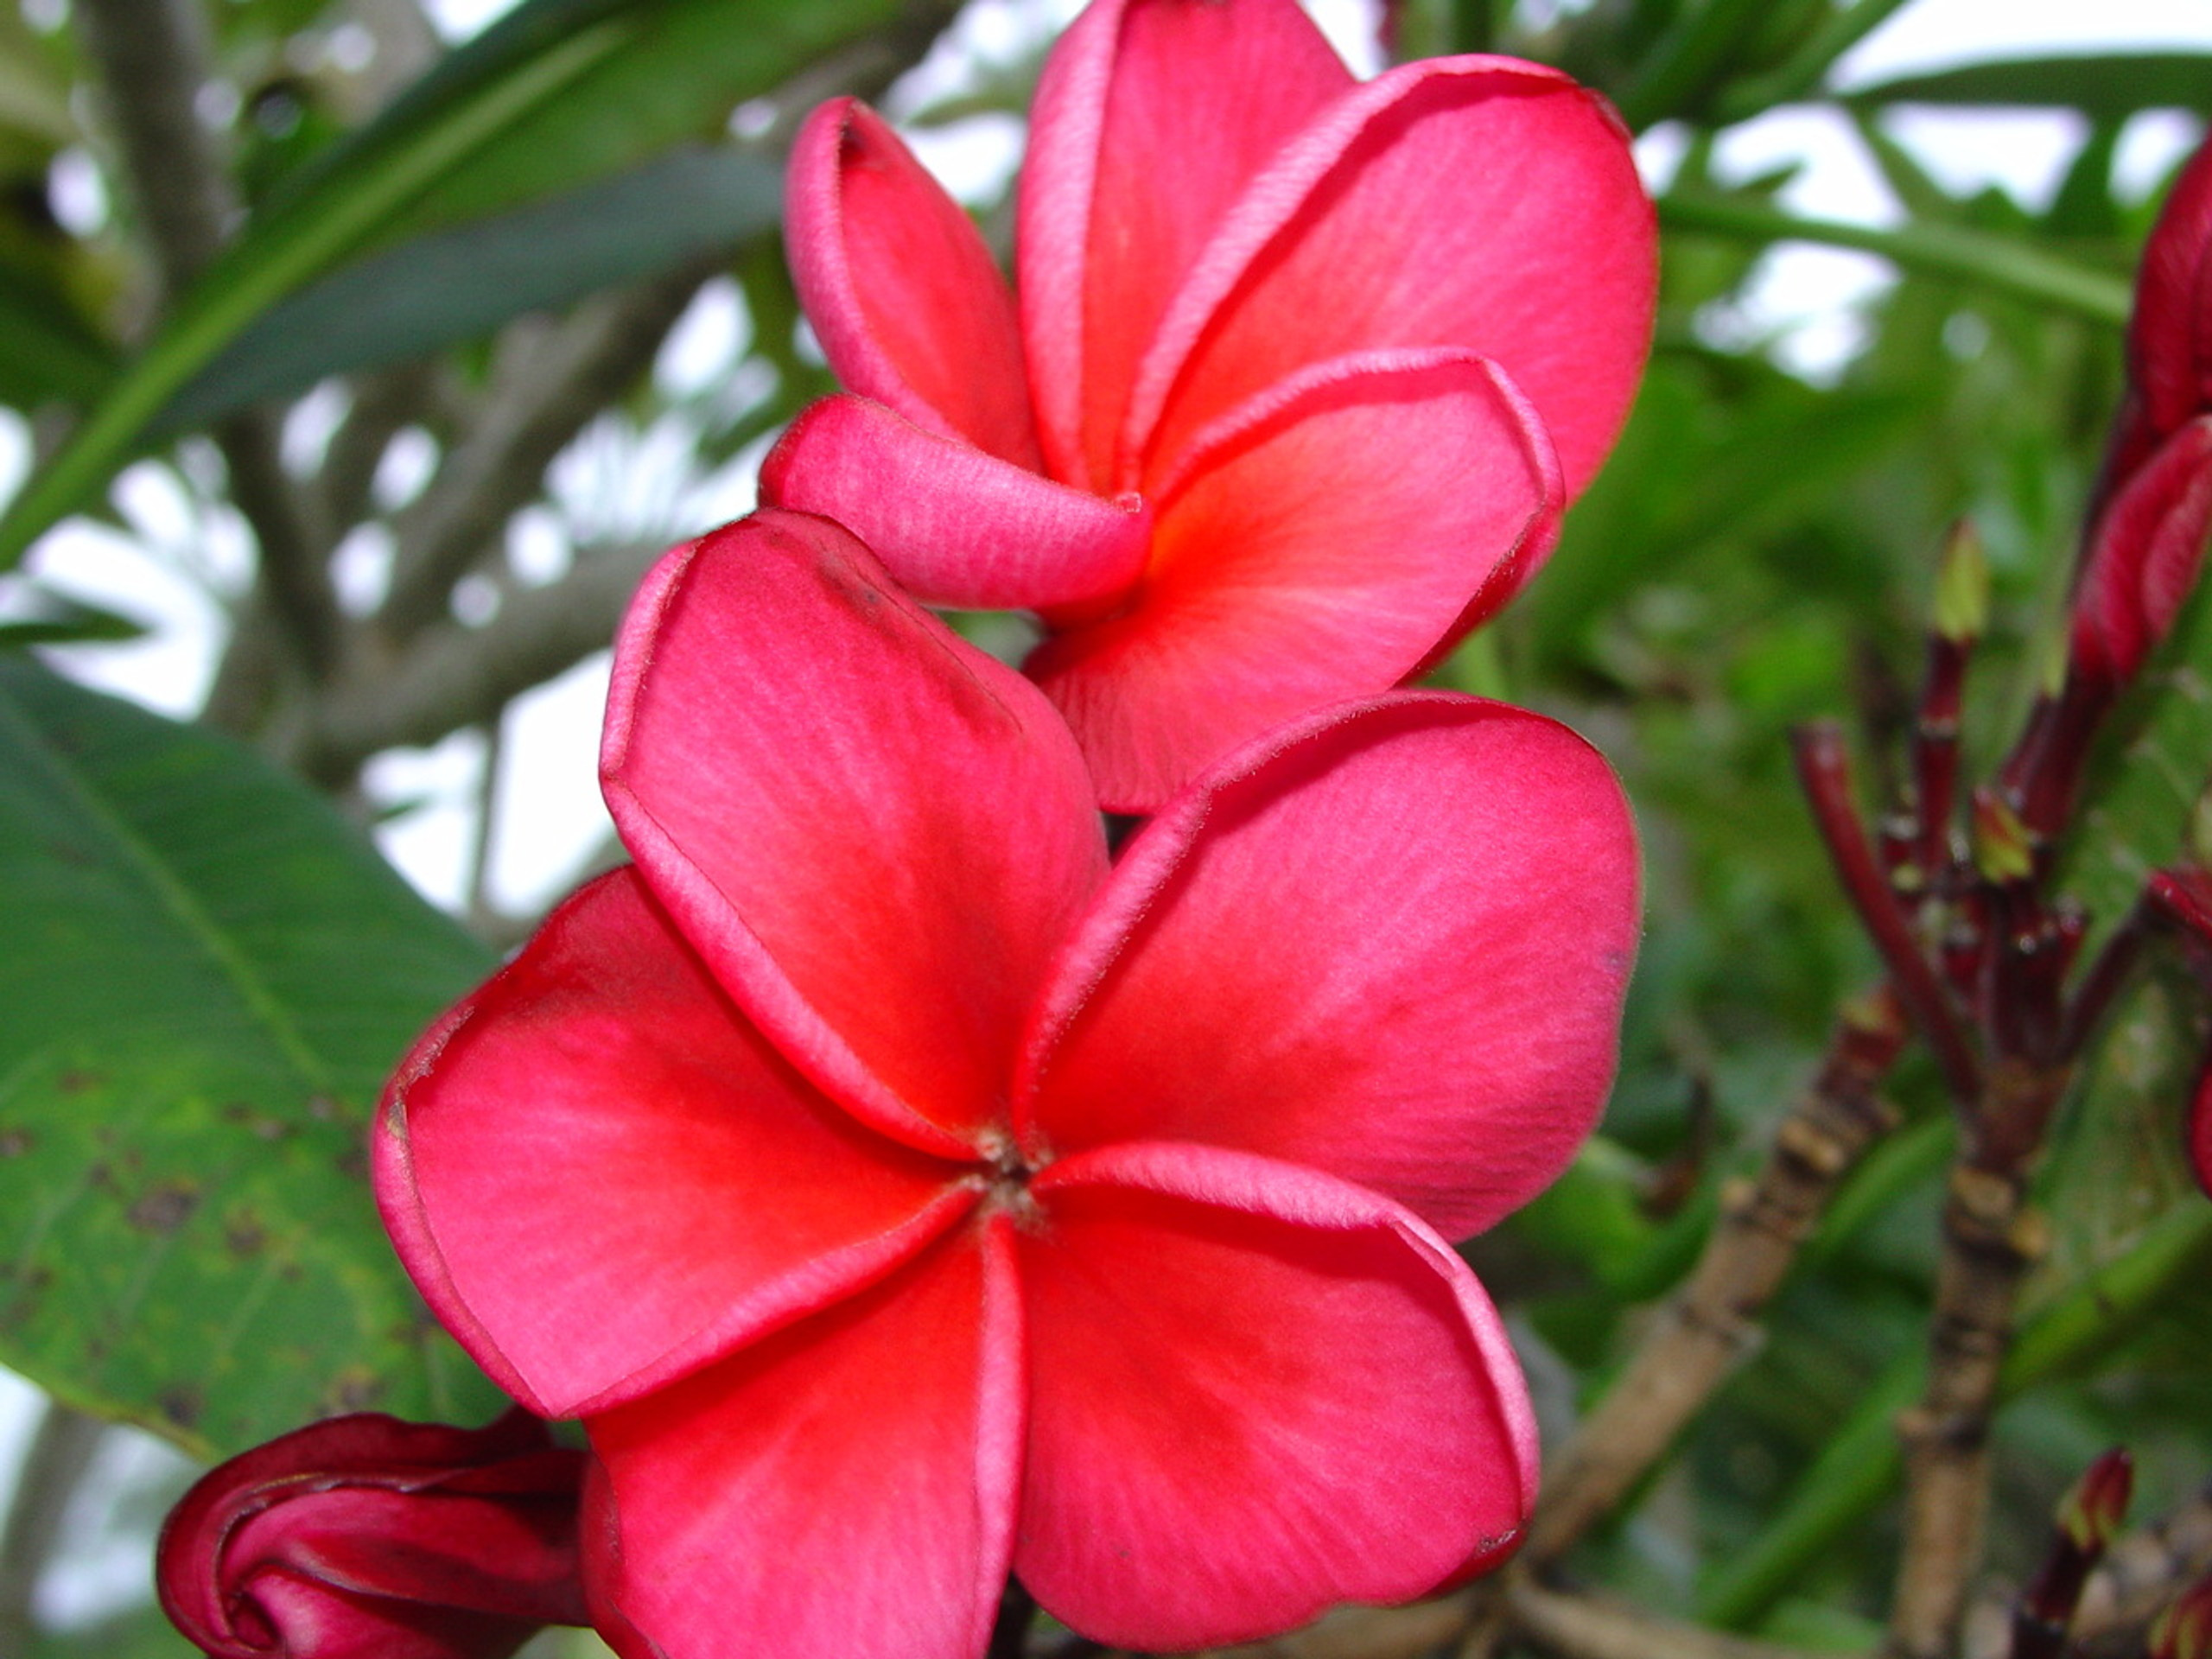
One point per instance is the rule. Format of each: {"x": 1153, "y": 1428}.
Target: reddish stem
{"x": 1824, "y": 770}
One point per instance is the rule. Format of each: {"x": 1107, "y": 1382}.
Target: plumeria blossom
{"x": 902, "y": 1192}
{"x": 365, "y": 1537}
{"x": 1301, "y": 372}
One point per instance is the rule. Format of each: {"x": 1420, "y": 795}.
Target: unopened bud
{"x": 1962, "y": 586}
{"x": 2183, "y": 1630}
{"x": 2004, "y": 850}
{"x": 2092, "y": 1512}
{"x": 2183, "y": 897}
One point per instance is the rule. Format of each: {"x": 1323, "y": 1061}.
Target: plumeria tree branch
{"x": 551, "y": 381}
{"x": 154, "y": 59}
{"x": 1709, "y": 1326}
{"x": 454, "y": 675}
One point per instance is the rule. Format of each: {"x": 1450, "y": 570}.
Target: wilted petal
{"x": 1320, "y": 543}
{"x": 1390, "y": 943}
{"x": 1150, "y": 116}
{"x": 846, "y": 1487}
{"x": 601, "y": 1176}
{"x": 1477, "y": 202}
{"x": 365, "y": 1537}
{"x": 2143, "y": 556}
{"x": 1258, "y": 1391}
{"x": 875, "y": 835}
{"x": 955, "y": 526}
{"x": 902, "y": 293}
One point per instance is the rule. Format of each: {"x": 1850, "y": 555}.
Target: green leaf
{"x": 557, "y": 94}
{"x": 47, "y": 353}
{"x": 208, "y": 975}
{"x": 1995, "y": 262}
{"x": 56, "y": 620}
{"x": 455, "y": 285}
{"x": 2104, "y": 87}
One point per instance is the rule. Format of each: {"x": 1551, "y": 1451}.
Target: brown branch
{"x": 1990, "y": 1240}
{"x": 1710, "y": 1323}
{"x": 1581, "y": 1627}
{"x": 549, "y": 382}
{"x": 454, "y": 676}
{"x": 384, "y": 403}
{"x": 153, "y": 58}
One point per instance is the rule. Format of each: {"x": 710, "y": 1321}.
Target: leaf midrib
{"x": 176, "y": 898}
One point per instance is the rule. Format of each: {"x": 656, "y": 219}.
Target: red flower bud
{"x": 2169, "y": 335}
{"x": 2153, "y": 503}
{"x": 365, "y": 1537}
{"x": 2184, "y": 1630}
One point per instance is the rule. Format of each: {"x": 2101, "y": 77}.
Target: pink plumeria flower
{"x": 902, "y": 1193}
{"x": 365, "y": 1537}
{"x": 1301, "y": 372}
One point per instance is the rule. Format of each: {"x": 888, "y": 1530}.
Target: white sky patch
{"x": 550, "y": 817}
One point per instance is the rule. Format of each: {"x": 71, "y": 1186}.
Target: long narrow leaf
{"x": 1992, "y": 262}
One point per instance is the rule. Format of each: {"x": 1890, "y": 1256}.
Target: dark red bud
{"x": 2169, "y": 335}
{"x": 2183, "y": 1630}
{"x": 2183, "y": 896}
{"x": 365, "y": 1537}
{"x": 2092, "y": 1512}
{"x": 2143, "y": 557}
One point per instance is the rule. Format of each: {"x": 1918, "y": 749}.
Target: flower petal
{"x": 2143, "y": 556}
{"x": 1137, "y": 92}
{"x": 600, "y": 1177}
{"x": 955, "y": 526}
{"x": 901, "y": 291}
{"x": 1322, "y": 541}
{"x": 1390, "y": 943}
{"x": 875, "y": 835}
{"x": 1477, "y": 202}
{"x": 1259, "y": 1391}
{"x": 847, "y": 1486}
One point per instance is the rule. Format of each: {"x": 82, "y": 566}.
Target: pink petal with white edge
{"x": 1477, "y": 202}
{"x": 1390, "y": 943}
{"x": 1259, "y": 1391}
{"x": 1323, "y": 542}
{"x": 846, "y": 1487}
{"x": 1138, "y": 92}
{"x": 875, "y": 835}
{"x": 600, "y": 1177}
{"x": 955, "y": 526}
{"x": 899, "y": 286}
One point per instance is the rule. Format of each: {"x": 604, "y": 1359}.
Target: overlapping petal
{"x": 601, "y": 1176}
{"x": 1285, "y": 578}
{"x": 1479, "y": 202}
{"x": 847, "y": 1486}
{"x": 2143, "y": 556}
{"x": 955, "y": 525}
{"x": 1138, "y": 93}
{"x": 875, "y": 835}
{"x": 1398, "y": 935}
{"x": 900, "y": 290}
{"x": 1259, "y": 1391}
